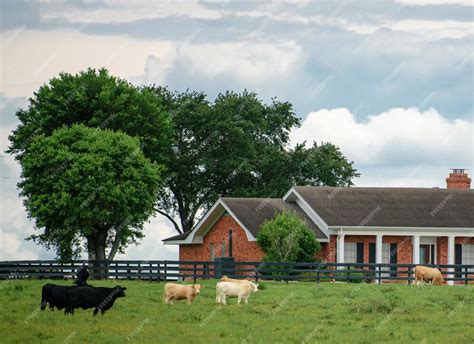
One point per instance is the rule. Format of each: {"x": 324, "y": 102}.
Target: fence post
{"x": 318, "y": 272}
{"x": 158, "y": 271}
{"x": 165, "y": 270}
{"x": 256, "y": 273}
{"x": 194, "y": 273}
{"x": 465, "y": 276}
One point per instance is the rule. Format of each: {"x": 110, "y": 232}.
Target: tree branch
{"x": 171, "y": 219}
{"x": 115, "y": 245}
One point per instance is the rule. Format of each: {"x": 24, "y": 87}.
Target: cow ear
{"x": 124, "y": 288}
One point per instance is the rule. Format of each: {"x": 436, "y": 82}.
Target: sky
{"x": 389, "y": 82}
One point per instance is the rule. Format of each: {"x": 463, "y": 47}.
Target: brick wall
{"x": 242, "y": 249}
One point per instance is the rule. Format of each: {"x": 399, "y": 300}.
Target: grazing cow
{"x": 99, "y": 298}
{"x": 55, "y": 296}
{"x": 174, "y": 291}
{"x": 81, "y": 277}
{"x": 242, "y": 281}
{"x": 426, "y": 274}
{"x": 240, "y": 290}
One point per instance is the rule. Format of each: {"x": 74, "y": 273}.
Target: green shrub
{"x": 287, "y": 238}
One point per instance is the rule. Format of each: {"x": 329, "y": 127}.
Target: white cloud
{"x": 125, "y": 57}
{"x": 253, "y": 62}
{"x": 435, "y": 29}
{"x": 151, "y": 247}
{"x": 124, "y": 11}
{"x": 34, "y": 57}
{"x": 398, "y": 139}
{"x": 435, "y": 2}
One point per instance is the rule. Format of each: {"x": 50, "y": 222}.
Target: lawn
{"x": 298, "y": 312}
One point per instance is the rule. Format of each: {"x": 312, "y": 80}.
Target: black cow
{"x": 81, "y": 277}
{"x": 99, "y": 298}
{"x": 55, "y": 296}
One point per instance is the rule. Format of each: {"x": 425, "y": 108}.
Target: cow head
{"x": 119, "y": 291}
{"x": 197, "y": 288}
{"x": 254, "y": 287}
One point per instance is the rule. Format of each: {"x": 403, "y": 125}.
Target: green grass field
{"x": 294, "y": 313}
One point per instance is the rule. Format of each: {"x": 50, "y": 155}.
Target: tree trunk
{"x": 96, "y": 251}
{"x": 115, "y": 245}
{"x": 187, "y": 225}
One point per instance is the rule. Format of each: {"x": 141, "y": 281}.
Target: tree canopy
{"x": 88, "y": 187}
{"x": 237, "y": 146}
{"x": 96, "y": 99}
{"x": 287, "y": 238}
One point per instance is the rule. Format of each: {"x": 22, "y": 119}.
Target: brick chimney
{"x": 458, "y": 179}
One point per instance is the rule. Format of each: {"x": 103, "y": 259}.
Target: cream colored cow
{"x": 174, "y": 291}
{"x": 243, "y": 281}
{"x": 240, "y": 290}
{"x": 426, "y": 274}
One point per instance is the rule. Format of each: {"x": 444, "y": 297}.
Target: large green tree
{"x": 88, "y": 189}
{"x": 96, "y": 99}
{"x": 237, "y": 145}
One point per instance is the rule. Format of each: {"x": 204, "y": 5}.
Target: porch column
{"x": 416, "y": 249}
{"x": 340, "y": 248}
{"x": 451, "y": 242}
{"x": 378, "y": 252}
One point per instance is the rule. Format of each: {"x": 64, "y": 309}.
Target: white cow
{"x": 240, "y": 290}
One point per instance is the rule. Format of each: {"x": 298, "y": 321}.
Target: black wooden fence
{"x": 165, "y": 270}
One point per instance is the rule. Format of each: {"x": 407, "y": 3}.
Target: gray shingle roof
{"x": 362, "y": 206}
{"x": 178, "y": 237}
{"x": 391, "y": 207}
{"x": 252, "y": 212}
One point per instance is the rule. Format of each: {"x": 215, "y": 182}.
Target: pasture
{"x": 298, "y": 312}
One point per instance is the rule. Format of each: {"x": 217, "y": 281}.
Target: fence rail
{"x": 165, "y": 270}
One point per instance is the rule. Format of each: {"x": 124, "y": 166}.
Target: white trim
{"x": 451, "y": 245}
{"x": 340, "y": 248}
{"x": 384, "y": 229}
{"x": 313, "y": 215}
{"x": 193, "y": 239}
{"x": 378, "y": 249}
{"x": 403, "y": 233}
{"x": 416, "y": 249}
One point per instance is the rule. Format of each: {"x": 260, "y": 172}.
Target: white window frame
{"x": 212, "y": 250}
{"x": 468, "y": 255}
{"x": 350, "y": 252}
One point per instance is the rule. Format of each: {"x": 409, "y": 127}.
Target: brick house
{"x": 353, "y": 225}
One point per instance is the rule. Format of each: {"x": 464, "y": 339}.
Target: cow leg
{"x": 239, "y": 299}
{"x": 102, "y": 312}
{"x": 96, "y": 310}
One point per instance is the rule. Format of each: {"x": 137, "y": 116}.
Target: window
{"x": 212, "y": 250}
{"x": 350, "y": 252}
{"x": 468, "y": 255}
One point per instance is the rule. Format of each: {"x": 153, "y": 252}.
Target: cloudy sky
{"x": 389, "y": 82}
